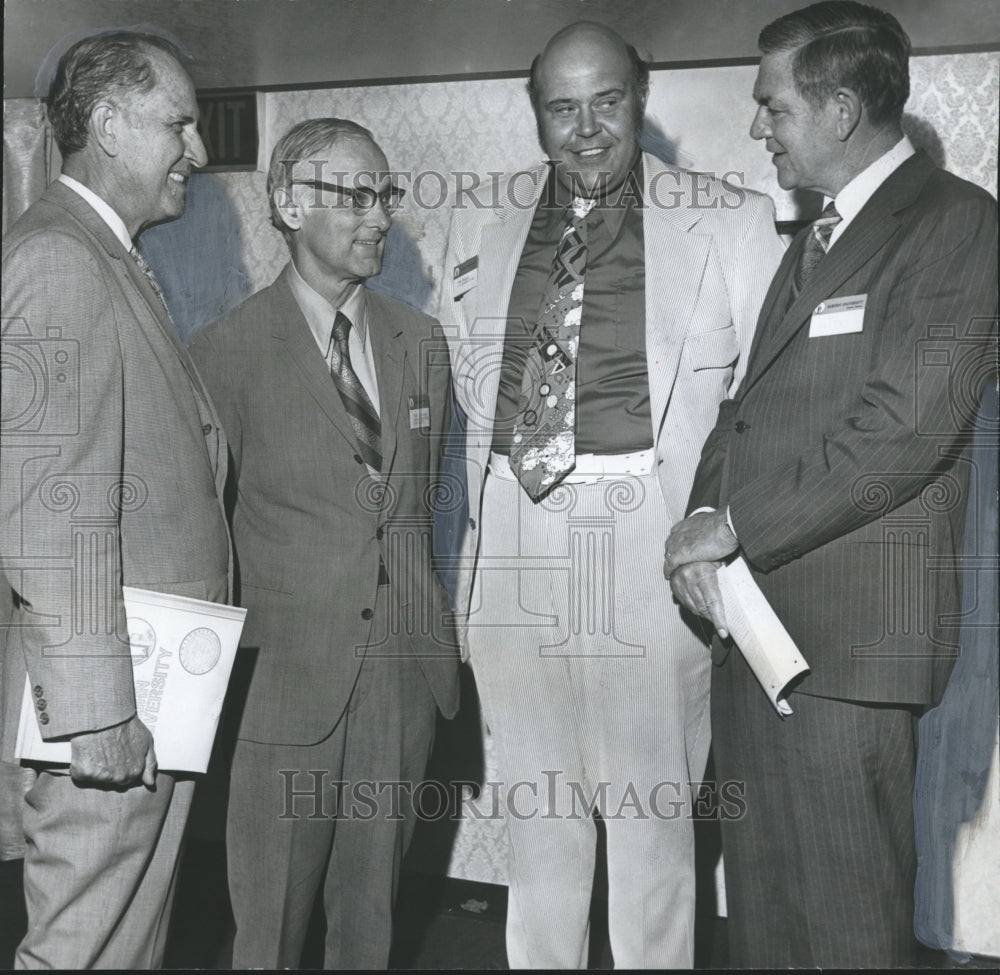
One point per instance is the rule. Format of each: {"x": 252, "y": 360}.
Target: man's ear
{"x": 104, "y": 126}
{"x": 290, "y": 209}
{"x": 849, "y": 109}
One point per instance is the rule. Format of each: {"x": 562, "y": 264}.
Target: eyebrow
{"x": 599, "y": 94}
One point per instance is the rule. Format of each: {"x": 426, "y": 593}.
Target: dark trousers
{"x": 820, "y": 869}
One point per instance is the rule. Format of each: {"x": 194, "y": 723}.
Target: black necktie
{"x": 364, "y": 418}
{"x": 816, "y": 245}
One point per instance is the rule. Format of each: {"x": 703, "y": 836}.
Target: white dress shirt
{"x": 320, "y": 315}
{"x": 850, "y": 200}
{"x": 104, "y": 210}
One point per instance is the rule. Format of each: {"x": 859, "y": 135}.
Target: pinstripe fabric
{"x": 596, "y": 679}
{"x": 844, "y": 461}
{"x": 842, "y": 458}
{"x": 820, "y": 870}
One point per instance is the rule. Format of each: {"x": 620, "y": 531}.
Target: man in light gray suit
{"x": 112, "y": 474}
{"x": 594, "y": 686}
{"x": 336, "y": 398}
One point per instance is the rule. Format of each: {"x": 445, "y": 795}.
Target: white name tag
{"x": 465, "y": 275}
{"x": 420, "y": 412}
{"x": 838, "y": 316}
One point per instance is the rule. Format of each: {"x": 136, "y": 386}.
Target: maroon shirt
{"x": 612, "y": 383}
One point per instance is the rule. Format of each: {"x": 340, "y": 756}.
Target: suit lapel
{"x": 138, "y": 292}
{"x": 293, "y": 337}
{"x": 868, "y": 232}
{"x": 390, "y": 369}
{"x": 145, "y": 305}
{"x": 500, "y": 246}
{"x": 675, "y": 267}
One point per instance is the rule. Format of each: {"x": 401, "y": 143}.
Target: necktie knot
{"x": 581, "y": 206}
{"x": 815, "y": 246}
{"x": 824, "y": 226}
{"x": 341, "y": 331}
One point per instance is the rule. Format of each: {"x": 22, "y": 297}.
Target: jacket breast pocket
{"x": 270, "y": 576}
{"x": 714, "y": 349}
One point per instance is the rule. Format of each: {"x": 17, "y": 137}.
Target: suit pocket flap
{"x": 264, "y": 575}
{"x": 714, "y": 349}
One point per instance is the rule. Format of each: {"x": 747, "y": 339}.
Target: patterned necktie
{"x": 364, "y": 418}
{"x": 816, "y": 245}
{"x": 543, "y": 445}
{"x": 147, "y": 271}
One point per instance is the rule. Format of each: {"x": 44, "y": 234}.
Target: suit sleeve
{"x": 947, "y": 279}
{"x": 707, "y": 488}
{"x": 62, "y": 467}
{"x": 214, "y": 367}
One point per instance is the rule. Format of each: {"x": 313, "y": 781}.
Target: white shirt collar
{"x": 104, "y": 210}
{"x": 320, "y": 314}
{"x": 852, "y": 198}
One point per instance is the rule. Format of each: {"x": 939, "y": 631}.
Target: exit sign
{"x": 227, "y": 125}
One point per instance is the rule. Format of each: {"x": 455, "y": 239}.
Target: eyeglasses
{"x": 360, "y": 198}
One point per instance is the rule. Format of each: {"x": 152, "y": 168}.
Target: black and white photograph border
{"x": 442, "y": 86}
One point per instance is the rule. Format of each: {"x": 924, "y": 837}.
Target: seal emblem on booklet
{"x": 182, "y": 656}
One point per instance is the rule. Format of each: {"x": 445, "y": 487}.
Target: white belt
{"x": 589, "y": 467}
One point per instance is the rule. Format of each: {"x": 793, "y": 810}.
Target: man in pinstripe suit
{"x": 594, "y": 686}
{"x": 839, "y": 471}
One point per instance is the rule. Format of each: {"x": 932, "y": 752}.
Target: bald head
{"x": 588, "y": 88}
{"x": 578, "y": 39}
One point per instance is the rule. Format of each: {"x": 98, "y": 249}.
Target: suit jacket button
{"x": 366, "y": 614}
{"x": 38, "y": 690}
{"x": 739, "y": 426}
{"x": 359, "y": 459}
{"x": 472, "y": 523}
{"x": 40, "y": 704}
{"x": 43, "y": 718}
{"x": 206, "y": 429}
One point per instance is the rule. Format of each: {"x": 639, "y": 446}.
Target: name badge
{"x": 420, "y": 412}
{"x": 838, "y": 316}
{"x": 465, "y": 275}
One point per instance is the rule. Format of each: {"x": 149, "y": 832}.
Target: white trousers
{"x": 596, "y": 692}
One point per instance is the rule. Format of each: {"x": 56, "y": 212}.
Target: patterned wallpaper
{"x": 433, "y": 131}
{"x": 481, "y": 126}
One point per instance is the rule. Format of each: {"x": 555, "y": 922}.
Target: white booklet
{"x": 760, "y": 635}
{"x": 182, "y": 655}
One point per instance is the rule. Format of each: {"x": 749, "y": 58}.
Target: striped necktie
{"x": 543, "y": 444}
{"x": 816, "y": 244}
{"x": 364, "y": 418}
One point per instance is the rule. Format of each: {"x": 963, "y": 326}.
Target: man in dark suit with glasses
{"x": 336, "y": 402}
